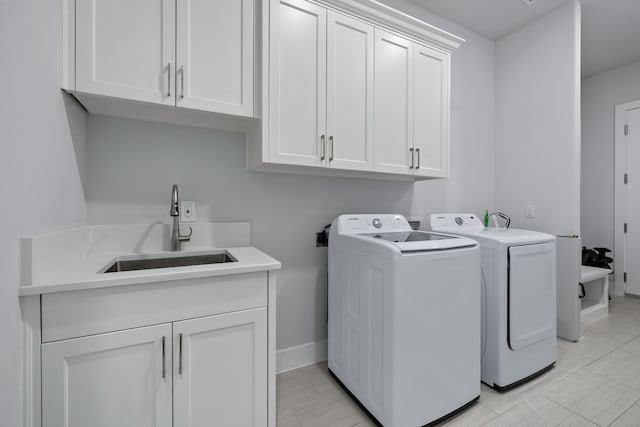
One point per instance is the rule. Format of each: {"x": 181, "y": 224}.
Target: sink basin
{"x": 146, "y": 263}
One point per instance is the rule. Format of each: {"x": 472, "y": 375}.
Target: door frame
{"x": 620, "y": 196}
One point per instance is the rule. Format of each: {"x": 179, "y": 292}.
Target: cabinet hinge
{"x": 624, "y": 278}
{"x": 626, "y": 129}
{"x": 625, "y": 227}
{"x": 626, "y": 178}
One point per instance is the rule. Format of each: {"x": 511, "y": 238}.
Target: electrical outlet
{"x": 188, "y": 211}
{"x": 531, "y": 211}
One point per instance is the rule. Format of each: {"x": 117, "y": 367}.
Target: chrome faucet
{"x": 176, "y": 237}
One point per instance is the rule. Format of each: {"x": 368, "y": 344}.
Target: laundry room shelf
{"x": 595, "y": 303}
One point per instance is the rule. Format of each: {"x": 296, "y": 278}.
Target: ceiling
{"x": 610, "y": 28}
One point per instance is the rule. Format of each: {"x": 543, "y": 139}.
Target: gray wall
{"x": 40, "y": 177}
{"x": 538, "y": 123}
{"x": 132, "y": 164}
{"x": 600, "y": 95}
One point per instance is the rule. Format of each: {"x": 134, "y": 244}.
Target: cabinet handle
{"x": 411, "y": 151}
{"x": 164, "y": 365}
{"x": 418, "y": 153}
{"x": 180, "y": 354}
{"x": 169, "y": 79}
{"x": 182, "y": 82}
{"x": 322, "y": 144}
{"x": 331, "y": 148}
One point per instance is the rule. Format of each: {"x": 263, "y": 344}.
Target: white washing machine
{"x": 404, "y": 316}
{"x": 518, "y": 298}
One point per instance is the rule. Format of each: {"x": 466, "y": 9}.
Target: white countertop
{"x": 73, "y": 259}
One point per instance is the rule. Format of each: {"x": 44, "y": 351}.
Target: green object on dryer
{"x": 486, "y": 218}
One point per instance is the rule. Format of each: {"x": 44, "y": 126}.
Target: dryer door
{"x": 532, "y": 294}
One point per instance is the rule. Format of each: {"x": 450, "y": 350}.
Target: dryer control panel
{"x": 456, "y": 223}
{"x": 362, "y": 224}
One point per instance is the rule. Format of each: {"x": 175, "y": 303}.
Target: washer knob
{"x": 459, "y": 220}
{"x": 377, "y": 222}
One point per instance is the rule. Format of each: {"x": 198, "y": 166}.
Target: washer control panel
{"x": 461, "y": 223}
{"x": 359, "y": 224}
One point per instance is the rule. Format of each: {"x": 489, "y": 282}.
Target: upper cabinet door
{"x": 393, "y": 134}
{"x": 431, "y": 104}
{"x": 115, "y": 379}
{"x": 126, "y": 49}
{"x": 220, "y": 370}
{"x": 297, "y": 87}
{"x": 215, "y": 55}
{"x": 349, "y": 93}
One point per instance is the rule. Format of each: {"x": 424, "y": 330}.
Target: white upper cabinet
{"x": 126, "y": 49}
{"x": 215, "y": 55}
{"x": 393, "y": 103}
{"x": 431, "y": 112}
{"x": 349, "y": 93}
{"x": 412, "y": 107}
{"x": 297, "y": 108}
{"x": 352, "y": 88}
{"x": 185, "y": 53}
{"x": 321, "y": 87}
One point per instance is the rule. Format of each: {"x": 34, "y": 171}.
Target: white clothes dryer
{"x": 518, "y": 299}
{"x": 404, "y": 319}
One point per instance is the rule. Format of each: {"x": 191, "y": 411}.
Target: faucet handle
{"x": 187, "y": 237}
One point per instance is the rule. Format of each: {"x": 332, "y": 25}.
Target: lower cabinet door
{"x": 220, "y": 370}
{"x": 119, "y": 379}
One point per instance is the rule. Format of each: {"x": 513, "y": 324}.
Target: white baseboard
{"x": 301, "y": 355}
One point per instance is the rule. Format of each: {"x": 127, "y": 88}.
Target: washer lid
{"x": 417, "y": 241}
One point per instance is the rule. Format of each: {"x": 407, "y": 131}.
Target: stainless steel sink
{"x": 130, "y": 264}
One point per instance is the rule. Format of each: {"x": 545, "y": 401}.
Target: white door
{"x": 297, "y": 88}
{"x": 431, "y": 111}
{"x": 632, "y": 197}
{"x": 349, "y": 93}
{"x": 532, "y": 294}
{"x": 215, "y": 55}
{"x": 220, "y": 370}
{"x": 393, "y": 103}
{"x": 126, "y": 49}
{"x": 116, "y": 379}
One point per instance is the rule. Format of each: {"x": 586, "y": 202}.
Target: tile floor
{"x": 596, "y": 382}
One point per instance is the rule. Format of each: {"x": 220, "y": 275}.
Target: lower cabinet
{"x": 209, "y": 371}
{"x": 220, "y": 370}
{"x": 186, "y": 353}
{"x": 114, "y": 379}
